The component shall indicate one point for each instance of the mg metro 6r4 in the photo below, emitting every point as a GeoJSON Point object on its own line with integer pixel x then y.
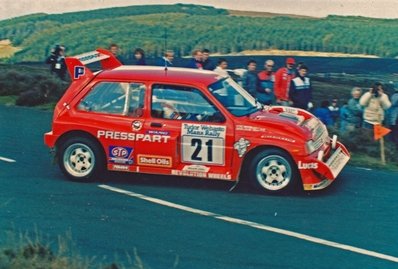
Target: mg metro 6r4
{"type": "Point", "coordinates": [184, 122]}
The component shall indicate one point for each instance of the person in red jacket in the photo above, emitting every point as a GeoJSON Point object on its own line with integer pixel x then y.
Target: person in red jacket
{"type": "Point", "coordinates": [283, 77]}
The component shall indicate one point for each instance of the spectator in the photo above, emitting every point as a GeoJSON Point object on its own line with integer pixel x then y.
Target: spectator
{"type": "Point", "coordinates": [57, 61]}
{"type": "Point", "coordinates": [355, 110]}
{"type": "Point", "coordinates": [206, 61]}
{"type": "Point", "coordinates": [266, 79]}
{"type": "Point", "coordinates": [394, 117]}
{"type": "Point", "coordinates": [283, 77]}
{"type": "Point", "coordinates": [334, 111]}
{"type": "Point", "coordinates": [375, 101]}
{"type": "Point", "coordinates": [300, 92]}
{"type": "Point", "coordinates": [222, 67]}
{"type": "Point", "coordinates": [250, 79]}
{"type": "Point", "coordinates": [197, 60]}
{"type": "Point", "coordinates": [344, 114]}
{"type": "Point", "coordinates": [139, 57]}
{"type": "Point", "coordinates": [323, 113]}
{"type": "Point", "coordinates": [115, 50]}
{"type": "Point", "coordinates": [167, 59]}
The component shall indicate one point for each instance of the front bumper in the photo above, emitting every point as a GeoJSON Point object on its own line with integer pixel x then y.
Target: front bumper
{"type": "Point", "coordinates": [318, 172]}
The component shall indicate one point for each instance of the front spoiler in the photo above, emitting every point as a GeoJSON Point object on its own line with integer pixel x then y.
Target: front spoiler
{"type": "Point", "coordinates": [322, 173]}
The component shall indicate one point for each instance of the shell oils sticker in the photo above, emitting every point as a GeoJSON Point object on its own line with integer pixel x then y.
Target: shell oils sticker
{"type": "Point", "coordinates": [121, 155]}
{"type": "Point", "coordinates": [153, 160]}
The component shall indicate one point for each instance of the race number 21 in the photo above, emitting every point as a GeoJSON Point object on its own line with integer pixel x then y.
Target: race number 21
{"type": "Point", "coordinates": [203, 150]}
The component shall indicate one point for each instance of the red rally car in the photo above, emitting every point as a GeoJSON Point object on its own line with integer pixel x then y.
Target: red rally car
{"type": "Point", "coordinates": [185, 122]}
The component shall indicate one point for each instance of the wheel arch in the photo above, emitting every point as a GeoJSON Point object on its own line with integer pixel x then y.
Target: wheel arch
{"type": "Point", "coordinates": [253, 152]}
{"type": "Point", "coordinates": [77, 133]}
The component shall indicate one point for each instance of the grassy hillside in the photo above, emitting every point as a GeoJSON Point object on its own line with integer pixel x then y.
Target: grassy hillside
{"type": "Point", "coordinates": [189, 26]}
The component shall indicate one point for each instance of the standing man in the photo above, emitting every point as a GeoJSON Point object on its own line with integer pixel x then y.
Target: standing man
{"type": "Point", "coordinates": [300, 92]}
{"type": "Point", "coordinates": [374, 102]}
{"type": "Point", "coordinates": [167, 59]}
{"type": "Point", "coordinates": [250, 79]}
{"type": "Point", "coordinates": [207, 62]}
{"type": "Point", "coordinates": [114, 49]}
{"type": "Point", "coordinates": [283, 77]}
{"type": "Point", "coordinates": [57, 61]}
{"type": "Point", "coordinates": [197, 60]}
{"type": "Point", "coordinates": [266, 79]}
{"type": "Point", "coordinates": [221, 68]}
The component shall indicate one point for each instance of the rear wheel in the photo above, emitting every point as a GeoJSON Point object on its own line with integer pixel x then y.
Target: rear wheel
{"type": "Point", "coordinates": [80, 159]}
{"type": "Point", "coordinates": [273, 171]}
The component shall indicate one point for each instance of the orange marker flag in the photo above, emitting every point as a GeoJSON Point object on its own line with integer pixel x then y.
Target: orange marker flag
{"type": "Point", "coordinates": [380, 131]}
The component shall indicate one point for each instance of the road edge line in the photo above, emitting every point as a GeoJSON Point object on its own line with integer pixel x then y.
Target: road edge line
{"type": "Point", "coordinates": [255, 225]}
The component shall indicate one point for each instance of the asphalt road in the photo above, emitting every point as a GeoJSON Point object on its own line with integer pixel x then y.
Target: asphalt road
{"type": "Point", "coordinates": [357, 215]}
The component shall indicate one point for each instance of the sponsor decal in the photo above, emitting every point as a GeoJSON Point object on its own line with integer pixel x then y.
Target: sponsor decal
{"type": "Point", "coordinates": [157, 132]}
{"type": "Point", "coordinates": [196, 168]}
{"type": "Point", "coordinates": [203, 143]}
{"type": "Point", "coordinates": [153, 160]}
{"type": "Point", "coordinates": [121, 155]}
{"type": "Point", "coordinates": [241, 146]}
{"type": "Point", "coordinates": [201, 174]}
{"type": "Point", "coordinates": [137, 125]}
{"type": "Point", "coordinates": [78, 71]}
{"type": "Point", "coordinates": [203, 130]}
{"type": "Point", "coordinates": [88, 57]}
{"type": "Point", "coordinates": [279, 138]}
{"type": "Point", "coordinates": [120, 167]}
{"type": "Point", "coordinates": [219, 176]}
{"type": "Point", "coordinates": [249, 128]}
{"type": "Point", "coordinates": [303, 166]}
{"type": "Point", "coordinates": [114, 135]}
{"type": "Point", "coordinates": [188, 173]}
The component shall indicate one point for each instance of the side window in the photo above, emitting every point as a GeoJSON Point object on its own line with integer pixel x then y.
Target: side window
{"type": "Point", "coordinates": [182, 103]}
{"type": "Point", "coordinates": [120, 98]}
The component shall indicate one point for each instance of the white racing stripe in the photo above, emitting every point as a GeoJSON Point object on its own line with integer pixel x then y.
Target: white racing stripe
{"type": "Point", "coordinates": [254, 225]}
{"type": "Point", "coordinates": [7, 160]}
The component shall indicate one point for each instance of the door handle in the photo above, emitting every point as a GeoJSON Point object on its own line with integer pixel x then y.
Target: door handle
{"type": "Point", "coordinates": [156, 124]}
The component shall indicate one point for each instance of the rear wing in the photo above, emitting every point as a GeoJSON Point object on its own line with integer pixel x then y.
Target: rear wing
{"type": "Point", "coordinates": [77, 65]}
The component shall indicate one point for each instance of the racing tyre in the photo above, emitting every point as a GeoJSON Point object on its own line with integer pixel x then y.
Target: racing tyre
{"type": "Point", "coordinates": [80, 159]}
{"type": "Point", "coordinates": [273, 171]}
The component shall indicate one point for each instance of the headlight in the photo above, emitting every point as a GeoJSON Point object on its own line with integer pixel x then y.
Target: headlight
{"type": "Point", "coordinates": [310, 146]}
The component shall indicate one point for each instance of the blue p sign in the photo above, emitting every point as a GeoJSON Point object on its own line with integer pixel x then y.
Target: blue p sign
{"type": "Point", "coordinates": [79, 71]}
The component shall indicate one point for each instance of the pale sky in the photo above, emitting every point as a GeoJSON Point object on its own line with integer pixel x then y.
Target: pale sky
{"type": "Point", "coordinates": [316, 8]}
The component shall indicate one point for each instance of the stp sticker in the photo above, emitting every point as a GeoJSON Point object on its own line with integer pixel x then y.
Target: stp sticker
{"type": "Point", "coordinates": [121, 155]}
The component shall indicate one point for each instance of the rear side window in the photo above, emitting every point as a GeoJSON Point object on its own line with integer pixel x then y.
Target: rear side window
{"type": "Point", "coordinates": [118, 98]}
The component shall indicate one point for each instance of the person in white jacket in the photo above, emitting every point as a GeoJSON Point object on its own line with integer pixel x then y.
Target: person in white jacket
{"type": "Point", "coordinates": [375, 102]}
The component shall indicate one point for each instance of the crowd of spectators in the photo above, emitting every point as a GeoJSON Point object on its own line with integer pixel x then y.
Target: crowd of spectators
{"type": "Point", "coordinates": [288, 86]}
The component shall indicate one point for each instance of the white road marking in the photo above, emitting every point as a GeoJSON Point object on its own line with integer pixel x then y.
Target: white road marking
{"type": "Point", "coordinates": [254, 225]}
{"type": "Point", "coordinates": [7, 160]}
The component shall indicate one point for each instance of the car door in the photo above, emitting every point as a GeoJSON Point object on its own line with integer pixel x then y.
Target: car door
{"type": "Point", "coordinates": [194, 134]}
{"type": "Point", "coordinates": [111, 111]}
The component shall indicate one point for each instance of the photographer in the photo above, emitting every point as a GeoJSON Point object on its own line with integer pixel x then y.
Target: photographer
{"type": "Point", "coordinates": [375, 101]}
{"type": "Point", "coordinates": [57, 61]}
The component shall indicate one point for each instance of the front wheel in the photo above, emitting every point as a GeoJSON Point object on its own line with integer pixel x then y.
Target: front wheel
{"type": "Point", "coordinates": [80, 159]}
{"type": "Point", "coordinates": [273, 171]}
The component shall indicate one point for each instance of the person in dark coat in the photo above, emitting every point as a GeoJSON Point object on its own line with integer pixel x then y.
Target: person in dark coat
{"type": "Point", "coordinates": [56, 60]}
{"type": "Point", "coordinates": [206, 61]}
{"type": "Point", "coordinates": [196, 60]}
{"type": "Point", "coordinates": [250, 80]}
{"type": "Point", "coordinates": [300, 92]}
{"type": "Point", "coordinates": [139, 57]}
